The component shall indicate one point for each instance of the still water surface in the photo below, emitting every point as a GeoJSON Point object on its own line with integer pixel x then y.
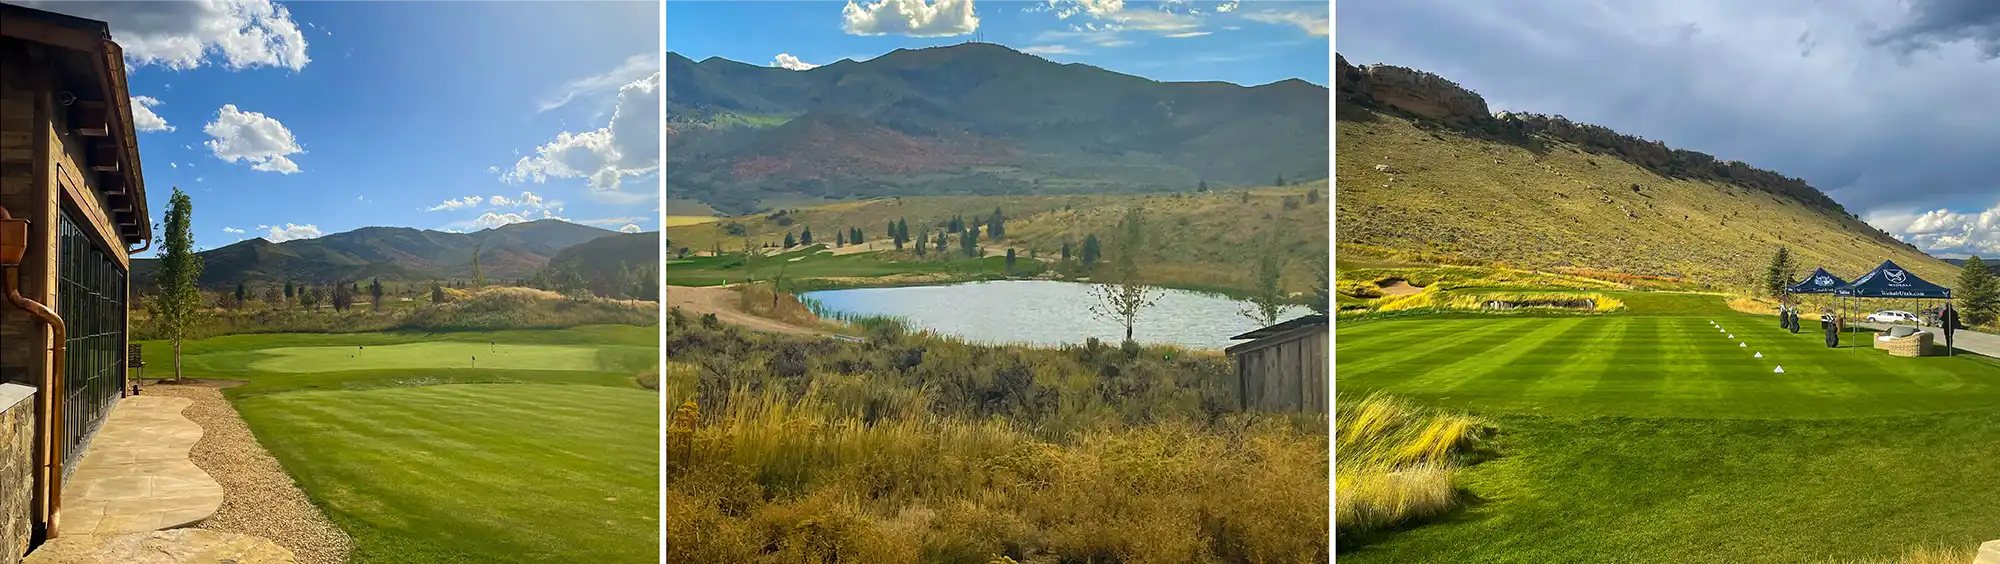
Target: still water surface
{"type": "Point", "coordinates": [1046, 312]}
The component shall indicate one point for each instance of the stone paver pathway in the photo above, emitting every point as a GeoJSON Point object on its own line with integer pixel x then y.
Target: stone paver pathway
{"type": "Point", "coordinates": [179, 546]}
{"type": "Point", "coordinates": [136, 475]}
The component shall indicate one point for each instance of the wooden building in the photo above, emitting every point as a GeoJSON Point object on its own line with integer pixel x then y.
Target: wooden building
{"type": "Point", "coordinates": [1284, 367]}
{"type": "Point", "coordinates": [72, 209]}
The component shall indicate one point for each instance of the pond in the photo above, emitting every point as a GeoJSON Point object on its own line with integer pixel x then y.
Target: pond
{"type": "Point", "coordinates": [1046, 312]}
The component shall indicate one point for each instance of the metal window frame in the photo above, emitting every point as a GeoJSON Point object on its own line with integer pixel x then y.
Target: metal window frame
{"type": "Point", "coordinates": [91, 293]}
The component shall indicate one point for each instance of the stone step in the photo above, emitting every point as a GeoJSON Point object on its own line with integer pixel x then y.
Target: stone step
{"type": "Point", "coordinates": [1989, 553]}
{"type": "Point", "coordinates": [176, 546]}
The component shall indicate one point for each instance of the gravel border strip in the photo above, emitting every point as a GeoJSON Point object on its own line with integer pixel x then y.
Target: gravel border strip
{"type": "Point", "coordinates": [259, 498]}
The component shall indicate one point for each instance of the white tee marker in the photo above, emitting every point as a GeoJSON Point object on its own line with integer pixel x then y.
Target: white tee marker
{"type": "Point", "coordinates": [1760, 355]}
{"type": "Point", "coordinates": [1780, 370]}
{"type": "Point", "coordinates": [1743, 345]}
{"type": "Point", "coordinates": [1732, 335]}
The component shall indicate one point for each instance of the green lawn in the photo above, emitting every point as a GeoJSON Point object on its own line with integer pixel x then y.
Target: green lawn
{"type": "Point", "coordinates": [549, 454]}
{"type": "Point", "coordinates": [1640, 437]}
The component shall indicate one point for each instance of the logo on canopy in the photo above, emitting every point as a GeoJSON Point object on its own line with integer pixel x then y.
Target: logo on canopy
{"type": "Point", "coordinates": [1897, 276]}
{"type": "Point", "coordinates": [1823, 280]}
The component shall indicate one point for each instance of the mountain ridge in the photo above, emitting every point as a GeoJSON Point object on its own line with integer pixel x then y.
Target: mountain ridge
{"type": "Point", "coordinates": [388, 252]}
{"type": "Point", "coordinates": [975, 119]}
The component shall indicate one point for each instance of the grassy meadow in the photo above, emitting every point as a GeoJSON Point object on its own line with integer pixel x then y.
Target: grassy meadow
{"type": "Point", "coordinates": [1655, 436]}
{"type": "Point", "coordinates": [909, 448]}
{"type": "Point", "coordinates": [1194, 240]}
{"type": "Point", "coordinates": [546, 452]}
{"type": "Point", "coordinates": [1546, 205]}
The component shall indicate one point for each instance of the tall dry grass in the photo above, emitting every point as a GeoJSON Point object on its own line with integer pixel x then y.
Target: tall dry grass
{"type": "Point", "coordinates": [915, 449]}
{"type": "Point", "coordinates": [1397, 462]}
{"type": "Point", "coordinates": [1929, 554]}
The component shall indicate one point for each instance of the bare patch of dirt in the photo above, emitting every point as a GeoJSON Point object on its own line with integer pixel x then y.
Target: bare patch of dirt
{"type": "Point", "coordinates": [721, 301]}
{"type": "Point", "coordinates": [1397, 287]}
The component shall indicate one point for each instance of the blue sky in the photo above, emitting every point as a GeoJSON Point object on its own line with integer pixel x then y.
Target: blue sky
{"type": "Point", "coordinates": [1888, 107]}
{"type": "Point", "coordinates": [1247, 43]}
{"type": "Point", "coordinates": [289, 120]}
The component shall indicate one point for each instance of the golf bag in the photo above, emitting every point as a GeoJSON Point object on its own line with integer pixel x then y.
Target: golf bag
{"type": "Point", "coordinates": [1795, 322]}
{"type": "Point", "coordinates": [1832, 335]}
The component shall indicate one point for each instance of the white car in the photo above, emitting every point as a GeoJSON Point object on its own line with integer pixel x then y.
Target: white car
{"type": "Point", "coordinates": [1893, 316]}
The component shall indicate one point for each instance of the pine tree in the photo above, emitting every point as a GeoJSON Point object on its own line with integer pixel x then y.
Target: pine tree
{"type": "Point", "coordinates": [789, 241]}
{"type": "Point", "coordinates": [375, 293]}
{"type": "Point", "coordinates": [242, 294]}
{"type": "Point", "coordinates": [1281, 181]}
{"type": "Point", "coordinates": [1779, 274]}
{"type": "Point", "coordinates": [996, 226]}
{"type": "Point", "coordinates": [1202, 187]}
{"type": "Point", "coordinates": [806, 237]}
{"type": "Point", "coordinates": [941, 246]}
{"type": "Point", "coordinates": [1312, 195]}
{"type": "Point", "coordinates": [1010, 260]}
{"type": "Point", "coordinates": [1091, 250]}
{"type": "Point", "coordinates": [891, 234]}
{"type": "Point", "coordinates": [1065, 251]}
{"type": "Point", "coordinates": [437, 292]}
{"type": "Point", "coordinates": [840, 238]}
{"type": "Point", "coordinates": [969, 242]}
{"type": "Point", "coordinates": [854, 236]}
{"type": "Point", "coordinates": [903, 230]}
{"type": "Point", "coordinates": [1978, 293]}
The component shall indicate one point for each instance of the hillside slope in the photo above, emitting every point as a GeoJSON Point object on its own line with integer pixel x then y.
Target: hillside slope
{"type": "Point", "coordinates": [1195, 239]}
{"type": "Point", "coordinates": [973, 119]}
{"type": "Point", "coordinates": [390, 253]}
{"type": "Point", "coordinates": [609, 264]}
{"type": "Point", "coordinates": [1424, 170]}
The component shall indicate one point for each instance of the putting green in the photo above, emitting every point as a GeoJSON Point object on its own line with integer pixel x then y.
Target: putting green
{"type": "Point", "coordinates": [1625, 365]}
{"type": "Point", "coordinates": [428, 355]}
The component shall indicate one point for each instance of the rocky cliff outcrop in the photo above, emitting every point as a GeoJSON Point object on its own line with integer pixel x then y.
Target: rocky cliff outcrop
{"type": "Point", "coordinates": [1433, 97]}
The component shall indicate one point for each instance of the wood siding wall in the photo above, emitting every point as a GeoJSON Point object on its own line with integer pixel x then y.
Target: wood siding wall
{"type": "Point", "coordinates": [23, 192]}
{"type": "Point", "coordinates": [1285, 372]}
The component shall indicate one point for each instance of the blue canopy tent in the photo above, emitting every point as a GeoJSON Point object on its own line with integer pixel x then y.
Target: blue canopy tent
{"type": "Point", "coordinates": [1891, 281]}
{"type": "Point", "coordinates": [1820, 282]}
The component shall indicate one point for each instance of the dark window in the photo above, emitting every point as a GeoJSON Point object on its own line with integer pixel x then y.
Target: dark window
{"type": "Point", "coordinates": [90, 297]}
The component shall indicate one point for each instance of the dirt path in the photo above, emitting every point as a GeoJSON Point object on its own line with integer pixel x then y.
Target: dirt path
{"type": "Point", "coordinates": [721, 301]}
{"type": "Point", "coordinates": [258, 498]}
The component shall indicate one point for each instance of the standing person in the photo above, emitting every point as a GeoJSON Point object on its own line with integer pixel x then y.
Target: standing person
{"type": "Point", "coordinates": [1949, 319]}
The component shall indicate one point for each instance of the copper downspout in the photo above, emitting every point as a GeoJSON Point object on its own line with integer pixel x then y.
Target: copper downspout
{"type": "Point", "coordinates": [48, 447]}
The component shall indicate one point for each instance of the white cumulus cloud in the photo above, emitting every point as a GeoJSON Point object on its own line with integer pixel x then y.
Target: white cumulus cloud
{"type": "Point", "coordinates": [1945, 232]}
{"type": "Point", "coordinates": [292, 232]}
{"type": "Point", "coordinates": [233, 230]}
{"type": "Point", "coordinates": [236, 135]}
{"type": "Point", "coordinates": [915, 18]}
{"type": "Point", "coordinates": [465, 202]}
{"type": "Point", "coordinates": [788, 62]}
{"type": "Point", "coordinates": [629, 146]}
{"type": "Point", "coordinates": [630, 228]}
{"type": "Point", "coordinates": [492, 220]}
{"type": "Point", "coordinates": [238, 34]}
{"type": "Point", "coordinates": [143, 118]}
